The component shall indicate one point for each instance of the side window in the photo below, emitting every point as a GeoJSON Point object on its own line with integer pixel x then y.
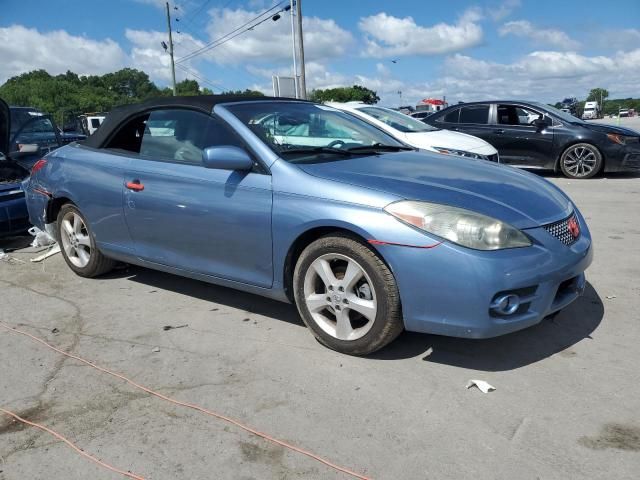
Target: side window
{"type": "Point", "coordinates": [129, 137]}
{"type": "Point", "coordinates": [478, 114]}
{"type": "Point", "coordinates": [517, 115]}
{"type": "Point", "coordinates": [451, 117]}
{"type": "Point", "coordinates": [179, 135]}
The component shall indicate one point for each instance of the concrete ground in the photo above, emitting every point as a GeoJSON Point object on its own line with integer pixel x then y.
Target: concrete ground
{"type": "Point", "coordinates": [566, 405]}
{"type": "Point", "coordinates": [628, 122]}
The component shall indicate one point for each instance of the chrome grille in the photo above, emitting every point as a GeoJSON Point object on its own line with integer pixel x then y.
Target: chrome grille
{"type": "Point", "coordinates": [560, 230]}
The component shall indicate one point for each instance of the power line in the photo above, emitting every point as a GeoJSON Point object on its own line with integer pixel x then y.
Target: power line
{"type": "Point", "coordinates": [232, 34]}
{"type": "Point", "coordinates": [201, 78]}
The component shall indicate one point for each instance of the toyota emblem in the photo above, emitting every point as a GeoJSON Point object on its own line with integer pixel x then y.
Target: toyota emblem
{"type": "Point", "coordinates": [574, 227]}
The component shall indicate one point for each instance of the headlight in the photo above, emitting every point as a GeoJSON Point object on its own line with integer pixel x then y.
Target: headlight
{"type": "Point", "coordinates": [621, 139]}
{"type": "Point", "coordinates": [458, 225]}
{"type": "Point", "coordinates": [460, 153]}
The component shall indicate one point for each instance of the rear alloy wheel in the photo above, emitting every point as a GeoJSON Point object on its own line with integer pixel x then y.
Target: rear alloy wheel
{"type": "Point", "coordinates": [78, 245]}
{"type": "Point", "coordinates": [347, 296]}
{"type": "Point", "coordinates": [581, 160]}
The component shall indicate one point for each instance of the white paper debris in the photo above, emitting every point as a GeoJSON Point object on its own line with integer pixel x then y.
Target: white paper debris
{"type": "Point", "coordinates": [42, 239]}
{"type": "Point", "coordinates": [47, 254]}
{"type": "Point", "coordinates": [483, 386]}
{"type": "Point", "coordinates": [611, 297]}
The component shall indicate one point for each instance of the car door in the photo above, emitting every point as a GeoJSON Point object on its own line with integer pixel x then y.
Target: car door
{"type": "Point", "coordinates": [518, 140]}
{"type": "Point", "coordinates": [471, 119]}
{"type": "Point", "coordinates": [183, 215]}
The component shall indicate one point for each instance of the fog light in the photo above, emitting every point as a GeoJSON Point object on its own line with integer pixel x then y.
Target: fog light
{"type": "Point", "coordinates": [506, 304]}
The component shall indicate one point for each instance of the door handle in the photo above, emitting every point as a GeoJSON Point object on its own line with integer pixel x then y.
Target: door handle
{"type": "Point", "coordinates": [499, 131]}
{"type": "Point", "coordinates": [135, 185]}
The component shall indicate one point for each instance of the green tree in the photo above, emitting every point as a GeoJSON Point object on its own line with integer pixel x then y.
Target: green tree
{"type": "Point", "coordinates": [248, 93]}
{"type": "Point", "coordinates": [345, 94]}
{"type": "Point", "coordinates": [598, 95]}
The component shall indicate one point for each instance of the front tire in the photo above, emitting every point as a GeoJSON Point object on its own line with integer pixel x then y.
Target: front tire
{"type": "Point", "coordinates": [78, 245]}
{"type": "Point", "coordinates": [581, 160]}
{"type": "Point", "coordinates": [347, 296]}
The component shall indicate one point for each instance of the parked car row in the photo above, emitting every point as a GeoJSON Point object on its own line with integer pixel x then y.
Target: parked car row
{"type": "Point", "coordinates": [310, 204]}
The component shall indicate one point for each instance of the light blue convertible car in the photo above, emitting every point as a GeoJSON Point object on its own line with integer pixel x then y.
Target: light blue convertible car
{"type": "Point", "coordinates": [301, 202]}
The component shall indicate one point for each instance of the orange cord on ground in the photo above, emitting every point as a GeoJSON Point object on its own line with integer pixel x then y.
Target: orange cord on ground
{"type": "Point", "coordinates": [188, 405]}
{"type": "Point", "coordinates": [77, 449]}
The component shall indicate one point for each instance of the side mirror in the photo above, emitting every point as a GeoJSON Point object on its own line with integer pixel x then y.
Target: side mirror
{"type": "Point", "coordinates": [541, 123]}
{"type": "Point", "coordinates": [226, 158]}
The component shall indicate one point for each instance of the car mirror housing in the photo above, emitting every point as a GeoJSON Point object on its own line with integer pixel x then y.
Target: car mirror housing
{"type": "Point", "coordinates": [226, 158]}
{"type": "Point", "coordinates": [541, 123]}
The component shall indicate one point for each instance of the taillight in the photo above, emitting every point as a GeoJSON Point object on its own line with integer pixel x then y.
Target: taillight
{"type": "Point", "coordinates": [38, 165]}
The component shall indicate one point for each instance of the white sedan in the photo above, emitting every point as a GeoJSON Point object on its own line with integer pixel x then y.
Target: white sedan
{"type": "Point", "coordinates": [418, 134]}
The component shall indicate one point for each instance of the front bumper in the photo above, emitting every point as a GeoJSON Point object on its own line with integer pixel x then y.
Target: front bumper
{"type": "Point", "coordinates": [448, 290]}
{"type": "Point", "coordinates": [622, 158]}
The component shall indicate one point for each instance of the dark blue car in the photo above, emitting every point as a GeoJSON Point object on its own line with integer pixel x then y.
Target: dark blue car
{"type": "Point", "coordinates": [26, 135]}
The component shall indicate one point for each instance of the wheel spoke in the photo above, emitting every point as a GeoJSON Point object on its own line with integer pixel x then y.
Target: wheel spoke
{"type": "Point", "coordinates": [69, 250]}
{"type": "Point", "coordinates": [323, 269]}
{"type": "Point", "coordinates": [68, 228]}
{"type": "Point", "coordinates": [351, 276]}
{"type": "Point", "coordinates": [84, 240]}
{"type": "Point", "coordinates": [343, 325]}
{"type": "Point", "coordinates": [83, 255]}
{"type": "Point", "coordinates": [77, 224]}
{"type": "Point", "coordinates": [316, 302]}
{"type": "Point", "coordinates": [366, 308]}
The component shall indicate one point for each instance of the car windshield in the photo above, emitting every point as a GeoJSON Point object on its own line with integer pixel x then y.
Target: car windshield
{"type": "Point", "coordinates": [397, 120]}
{"type": "Point", "coordinates": [298, 131]}
{"type": "Point", "coordinates": [567, 117]}
{"type": "Point", "coordinates": [20, 116]}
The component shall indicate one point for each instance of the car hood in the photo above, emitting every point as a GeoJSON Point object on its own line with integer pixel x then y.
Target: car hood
{"type": "Point", "coordinates": [603, 128]}
{"type": "Point", "coordinates": [5, 127]}
{"type": "Point", "coordinates": [520, 198]}
{"type": "Point", "coordinates": [449, 139]}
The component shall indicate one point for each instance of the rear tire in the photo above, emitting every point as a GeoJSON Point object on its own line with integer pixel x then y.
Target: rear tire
{"type": "Point", "coordinates": [347, 296]}
{"type": "Point", "coordinates": [78, 245]}
{"type": "Point", "coordinates": [581, 160]}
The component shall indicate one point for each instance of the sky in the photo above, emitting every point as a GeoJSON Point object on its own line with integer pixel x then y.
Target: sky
{"type": "Point", "coordinates": [465, 50]}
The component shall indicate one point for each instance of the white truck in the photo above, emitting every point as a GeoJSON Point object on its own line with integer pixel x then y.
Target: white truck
{"type": "Point", "coordinates": [591, 110]}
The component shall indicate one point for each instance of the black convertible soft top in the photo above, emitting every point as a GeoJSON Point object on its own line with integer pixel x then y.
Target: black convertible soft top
{"type": "Point", "coordinates": [200, 102]}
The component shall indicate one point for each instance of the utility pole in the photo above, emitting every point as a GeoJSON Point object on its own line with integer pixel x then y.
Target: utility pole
{"type": "Point", "coordinates": [295, 53]}
{"type": "Point", "coordinates": [303, 81]}
{"type": "Point", "coordinates": [173, 65]}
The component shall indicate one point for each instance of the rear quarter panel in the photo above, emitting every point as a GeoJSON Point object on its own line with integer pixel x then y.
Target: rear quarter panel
{"type": "Point", "coordinates": [94, 181]}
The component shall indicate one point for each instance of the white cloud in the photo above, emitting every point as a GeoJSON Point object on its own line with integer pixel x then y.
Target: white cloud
{"type": "Point", "coordinates": [23, 49]}
{"type": "Point", "coordinates": [388, 36]}
{"type": "Point", "coordinates": [543, 75]}
{"type": "Point", "coordinates": [622, 39]}
{"type": "Point", "coordinates": [503, 10]}
{"type": "Point", "coordinates": [541, 36]}
{"type": "Point", "coordinates": [271, 41]}
{"type": "Point", "coordinates": [148, 55]}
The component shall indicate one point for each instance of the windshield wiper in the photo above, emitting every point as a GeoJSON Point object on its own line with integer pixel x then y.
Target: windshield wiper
{"type": "Point", "coordinates": [379, 147]}
{"type": "Point", "coordinates": [329, 150]}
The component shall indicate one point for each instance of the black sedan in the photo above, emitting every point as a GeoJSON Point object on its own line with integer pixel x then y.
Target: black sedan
{"type": "Point", "coordinates": [535, 135]}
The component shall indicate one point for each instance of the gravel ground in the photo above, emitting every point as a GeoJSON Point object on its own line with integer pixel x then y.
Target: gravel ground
{"type": "Point", "coordinates": [566, 404]}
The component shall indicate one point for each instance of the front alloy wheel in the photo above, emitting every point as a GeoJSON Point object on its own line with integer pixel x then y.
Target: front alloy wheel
{"type": "Point", "coordinates": [340, 296]}
{"type": "Point", "coordinates": [347, 295]}
{"type": "Point", "coordinates": [581, 161]}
